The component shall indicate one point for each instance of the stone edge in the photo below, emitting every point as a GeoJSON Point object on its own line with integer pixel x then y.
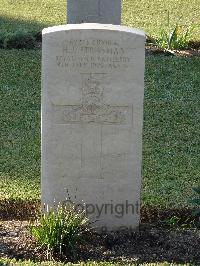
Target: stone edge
{"type": "Point", "coordinates": [92, 26]}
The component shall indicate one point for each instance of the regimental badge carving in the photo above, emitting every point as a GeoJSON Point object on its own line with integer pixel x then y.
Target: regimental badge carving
{"type": "Point", "coordinates": [93, 109]}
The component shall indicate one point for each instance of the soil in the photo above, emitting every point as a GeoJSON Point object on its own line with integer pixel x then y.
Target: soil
{"type": "Point", "coordinates": [193, 49]}
{"type": "Point", "coordinates": [150, 244]}
{"type": "Point", "coordinates": [157, 240]}
{"type": "Point", "coordinates": [190, 52]}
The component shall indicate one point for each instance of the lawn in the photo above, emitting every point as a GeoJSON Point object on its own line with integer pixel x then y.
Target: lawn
{"type": "Point", "coordinates": [20, 116]}
{"type": "Point", "coordinates": [170, 137]}
{"type": "Point", "coordinates": [32, 16]}
{"type": "Point", "coordinates": [171, 143]}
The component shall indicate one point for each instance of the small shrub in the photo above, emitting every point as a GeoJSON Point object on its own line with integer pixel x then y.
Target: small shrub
{"type": "Point", "coordinates": [174, 38]}
{"type": "Point", "coordinates": [60, 230]}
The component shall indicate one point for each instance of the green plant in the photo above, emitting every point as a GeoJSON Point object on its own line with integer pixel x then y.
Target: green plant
{"type": "Point", "coordinates": [177, 222]}
{"type": "Point", "coordinates": [60, 230]}
{"type": "Point", "coordinates": [174, 38]}
{"type": "Point", "coordinates": [172, 221]}
{"type": "Point", "coordinates": [196, 201]}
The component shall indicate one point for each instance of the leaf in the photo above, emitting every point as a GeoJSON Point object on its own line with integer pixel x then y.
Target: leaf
{"type": "Point", "coordinates": [59, 229]}
{"type": "Point", "coordinates": [173, 38]}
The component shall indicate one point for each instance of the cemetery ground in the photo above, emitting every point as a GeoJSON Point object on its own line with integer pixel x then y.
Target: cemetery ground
{"type": "Point", "coordinates": [171, 142]}
{"type": "Point", "coordinates": [170, 162]}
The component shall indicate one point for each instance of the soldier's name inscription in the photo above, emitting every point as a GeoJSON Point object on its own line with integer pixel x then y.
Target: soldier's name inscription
{"type": "Point", "coordinates": [92, 53]}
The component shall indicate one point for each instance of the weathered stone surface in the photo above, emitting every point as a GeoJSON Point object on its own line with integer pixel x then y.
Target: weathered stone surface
{"type": "Point", "coordinates": [92, 116]}
{"type": "Point", "coordinates": [94, 11]}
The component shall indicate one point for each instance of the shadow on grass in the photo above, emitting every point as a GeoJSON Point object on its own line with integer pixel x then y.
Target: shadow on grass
{"type": "Point", "coordinates": [20, 34]}
{"type": "Point", "coordinates": [11, 25]}
{"type": "Point", "coordinates": [26, 34]}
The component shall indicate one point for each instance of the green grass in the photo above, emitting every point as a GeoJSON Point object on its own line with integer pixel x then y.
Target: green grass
{"type": "Point", "coordinates": [20, 116]}
{"type": "Point", "coordinates": [151, 16]}
{"type": "Point", "coordinates": [171, 143]}
{"type": "Point", "coordinates": [171, 128]}
{"type": "Point", "coordinates": [32, 16]}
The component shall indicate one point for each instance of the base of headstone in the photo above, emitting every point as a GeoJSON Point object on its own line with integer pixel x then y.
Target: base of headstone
{"type": "Point", "coordinates": [92, 116]}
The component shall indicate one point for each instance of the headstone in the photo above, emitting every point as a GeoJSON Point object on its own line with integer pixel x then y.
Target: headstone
{"type": "Point", "coordinates": [94, 11]}
{"type": "Point", "coordinates": [92, 116]}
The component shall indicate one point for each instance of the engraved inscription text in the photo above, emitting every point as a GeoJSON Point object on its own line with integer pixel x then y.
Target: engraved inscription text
{"type": "Point", "coordinates": [93, 53]}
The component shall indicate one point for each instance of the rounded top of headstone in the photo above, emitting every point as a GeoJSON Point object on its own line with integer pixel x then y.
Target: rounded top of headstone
{"type": "Point", "coordinates": [93, 26]}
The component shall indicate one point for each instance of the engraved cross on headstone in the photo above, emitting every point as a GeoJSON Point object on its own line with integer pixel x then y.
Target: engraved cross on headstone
{"type": "Point", "coordinates": [94, 11]}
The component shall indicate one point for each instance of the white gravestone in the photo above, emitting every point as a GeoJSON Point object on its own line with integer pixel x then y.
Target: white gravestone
{"type": "Point", "coordinates": [92, 116]}
{"type": "Point", "coordinates": [94, 11]}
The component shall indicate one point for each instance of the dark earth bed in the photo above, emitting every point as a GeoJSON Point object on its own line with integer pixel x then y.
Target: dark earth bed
{"type": "Point", "coordinates": [150, 244]}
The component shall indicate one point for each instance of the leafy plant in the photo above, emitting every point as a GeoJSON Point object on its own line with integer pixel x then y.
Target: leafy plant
{"type": "Point", "coordinates": [60, 230]}
{"type": "Point", "coordinates": [172, 221]}
{"type": "Point", "coordinates": [174, 38]}
{"type": "Point", "coordinates": [178, 222]}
